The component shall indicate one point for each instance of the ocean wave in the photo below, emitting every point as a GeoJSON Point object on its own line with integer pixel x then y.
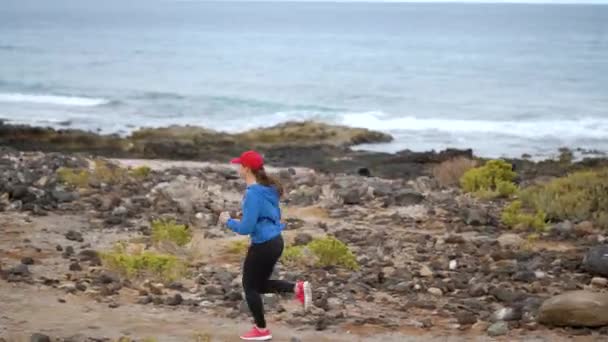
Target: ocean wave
{"type": "Point", "coordinates": [53, 100]}
{"type": "Point", "coordinates": [159, 95]}
{"type": "Point", "coordinates": [593, 128]}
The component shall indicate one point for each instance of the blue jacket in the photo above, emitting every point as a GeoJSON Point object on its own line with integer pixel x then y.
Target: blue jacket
{"type": "Point", "coordinates": [261, 214]}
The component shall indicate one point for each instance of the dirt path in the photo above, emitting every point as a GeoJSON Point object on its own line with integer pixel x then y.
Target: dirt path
{"type": "Point", "coordinates": [27, 309]}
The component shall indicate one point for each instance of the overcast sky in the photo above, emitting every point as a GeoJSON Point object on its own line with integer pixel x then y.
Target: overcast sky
{"type": "Point", "coordinates": [498, 1]}
{"type": "Point", "coordinates": [485, 1]}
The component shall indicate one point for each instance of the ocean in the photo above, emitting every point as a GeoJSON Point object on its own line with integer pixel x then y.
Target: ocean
{"type": "Point", "coordinates": [503, 79]}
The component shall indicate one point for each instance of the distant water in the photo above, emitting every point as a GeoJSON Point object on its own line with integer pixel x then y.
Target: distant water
{"type": "Point", "coordinates": [501, 79]}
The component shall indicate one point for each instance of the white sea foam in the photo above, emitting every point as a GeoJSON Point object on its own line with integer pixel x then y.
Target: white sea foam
{"type": "Point", "coordinates": [52, 99]}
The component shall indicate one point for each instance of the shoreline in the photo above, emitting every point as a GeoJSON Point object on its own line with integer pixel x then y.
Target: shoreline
{"type": "Point", "coordinates": [313, 145]}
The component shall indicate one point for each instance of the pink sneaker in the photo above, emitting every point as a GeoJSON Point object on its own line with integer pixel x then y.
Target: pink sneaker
{"type": "Point", "coordinates": [256, 334]}
{"type": "Point", "coordinates": [304, 294]}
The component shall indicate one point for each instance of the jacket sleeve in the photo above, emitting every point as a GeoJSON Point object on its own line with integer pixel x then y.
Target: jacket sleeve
{"type": "Point", "coordinates": [251, 213]}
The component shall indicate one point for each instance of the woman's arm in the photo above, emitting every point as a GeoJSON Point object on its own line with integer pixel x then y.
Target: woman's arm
{"type": "Point", "coordinates": [251, 213]}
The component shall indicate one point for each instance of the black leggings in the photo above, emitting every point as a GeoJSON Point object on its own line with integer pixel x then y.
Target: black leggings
{"type": "Point", "coordinates": [257, 270]}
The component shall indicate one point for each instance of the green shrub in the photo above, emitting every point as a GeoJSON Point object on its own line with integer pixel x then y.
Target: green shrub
{"type": "Point", "coordinates": [292, 255]}
{"type": "Point", "coordinates": [140, 172]}
{"type": "Point", "coordinates": [330, 251]}
{"type": "Point", "coordinates": [579, 196]}
{"type": "Point", "coordinates": [513, 216]}
{"type": "Point", "coordinates": [74, 178]}
{"type": "Point", "coordinates": [103, 172]}
{"type": "Point", "coordinates": [106, 172]}
{"type": "Point", "coordinates": [169, 230]}
{"type": "Point", "coordinates": [147, 264]}
{"type": "Point", "coordinates": [494, 179]}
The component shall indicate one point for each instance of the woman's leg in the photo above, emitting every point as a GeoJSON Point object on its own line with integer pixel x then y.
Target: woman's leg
{"type": "Point", "coordinates": [252, 281]}
{"type": "Point", "coordinates": [275, 250]}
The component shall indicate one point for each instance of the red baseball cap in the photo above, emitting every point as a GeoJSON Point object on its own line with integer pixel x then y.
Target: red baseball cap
{"type": "Point", "coordinates": [250, 159]}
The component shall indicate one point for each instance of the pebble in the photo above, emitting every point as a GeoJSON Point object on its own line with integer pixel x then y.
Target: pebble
{"type": "Point", "coordinates": [599, 282]}
{"type": "Point", "coordinates": [39, 338]}
{"type": "Point", "coordinates": [425, 271]}
{"type": "Point", "coordinates": [75, 267]}
{"type": "Point", "coordinates": [27, 261]}
{"type": "Point", "coordinates": [73, 235]}
{"type": "Point", "coordinates": [466, 318]}
{"type": "Point", "coordinates": [435, 291]}
{"type": "Point", "coordinates": [174, 300]}
{"type": "Point", "coordinates": [498, 329]}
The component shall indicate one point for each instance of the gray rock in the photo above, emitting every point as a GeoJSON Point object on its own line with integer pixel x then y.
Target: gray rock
{"type": "Point", "coordinates": [302, 239]}
{"type": "Point", "coordinates": [351, 196]}
{"type": "Point", "coordinates": [599, 282]}
{"type": "Point", "coordinates": [435, 291]}
{"type": "Point", "coordinates": [478, 290]}
{"type": "Point", "coordinates": [75, 267]}
{"type": "Point", "coordinates": [466, 318]}
{"type": "Point", "coordinates": [576, 308]}
{"type": "Point", "coordinates": [506, 295]}
{"type": "Point", "coordinates": [20, 270]}
{"type": "Point", "coordinates": [564, 228]}
{"type": "Point", "coordinates": [498, 329]}
{"type": "Point", "coordinates": [73, 235]}
{"type": "Point", "coordinates": [305, 195]}
{"type": "Point", "coordinates": [106, 278]}
{"type": "Point", "coordinates": [334, 303]}
{"type": "Point", "coordinates": [506, 314]}
{"type": "Point", "coordinates": [27, 261]}
{"type": "Point", "coordinates": [174, 300]}
{"type": "Point", "coordinates": [475, 217]}
{"type": "Point", "coordinates": [120, 211]}
{"type": "Point", "coordinates": [90, 256]}
{"type": "Point", "coordinates": [510, 240]}
{"type": "Point", "coordinates": [213, 290]}
{"type": "Point", "coordinates": [525, 276]}
{"type": "Point", "coordinates": [406, 197]}
{"type": "Point", "coordinates": [40, 338]}
{"type": "Point", "coordinates": [596, 261]}
{"type": "Point", "coordinates": [62, 196]}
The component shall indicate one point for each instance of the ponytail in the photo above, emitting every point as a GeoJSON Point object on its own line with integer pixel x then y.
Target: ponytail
{"type": "Point", "coordinates": [264, 179]}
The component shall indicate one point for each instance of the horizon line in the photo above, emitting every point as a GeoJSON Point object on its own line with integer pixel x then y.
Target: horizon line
{"type": "Point", "coordinates": [456, 2]}
{"type": "Point", "coordinates": [496, 2]}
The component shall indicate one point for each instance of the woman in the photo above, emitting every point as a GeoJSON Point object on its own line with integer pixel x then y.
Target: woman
{"type": "Point", "coordinates": [262, 222]}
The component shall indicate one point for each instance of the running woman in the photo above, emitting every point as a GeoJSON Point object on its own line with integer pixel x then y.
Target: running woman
{"type": "Point", "coordinates": [262, 222]}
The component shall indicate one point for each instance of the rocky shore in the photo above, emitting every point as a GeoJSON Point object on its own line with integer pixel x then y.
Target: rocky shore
{"type": "Point", "coordinates": [431, 261]}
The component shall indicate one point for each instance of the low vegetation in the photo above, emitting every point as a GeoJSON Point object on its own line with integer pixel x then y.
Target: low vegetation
{"type": "Point", "coordinates": [327, 251]}
{"type": "Point", "coordinates": [492, 180]}
{"type": "Point", "coordinates": [74, 178]}
{"type": "Point", "coordinates": [140, 172]}
{"type": "Point", "coordinates": [513, 216]}
{"type": "Point", "coordinates": [292, 255]}
{"type": "Point", "coordinates": [580, 196]}
{"type": "Point", "coordinates": [450, 171]}
{"type": "Point", "coordinates": [169, 230]}
{"type": "Point", "coordinates": [101, 172]}
{"type": "Point", "coordinates": [148, 264]}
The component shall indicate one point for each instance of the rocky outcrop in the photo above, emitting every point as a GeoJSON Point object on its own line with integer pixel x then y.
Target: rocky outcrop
{"type": "Point", "coordinates": [596, 260]}
{"type": "Point", "coordinates": [306, 144]}
{"type": "Point", "coordinates": [577, 308]}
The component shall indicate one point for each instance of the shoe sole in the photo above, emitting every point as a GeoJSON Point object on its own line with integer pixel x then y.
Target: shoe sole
{"type": "Point", "coordinates": [264, 338]}
{"type": "Point", "coordinates": [307, 296]}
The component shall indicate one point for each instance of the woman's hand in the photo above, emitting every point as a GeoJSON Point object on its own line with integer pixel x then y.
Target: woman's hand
{"type": "Point", "coordinates": [224, 217]}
